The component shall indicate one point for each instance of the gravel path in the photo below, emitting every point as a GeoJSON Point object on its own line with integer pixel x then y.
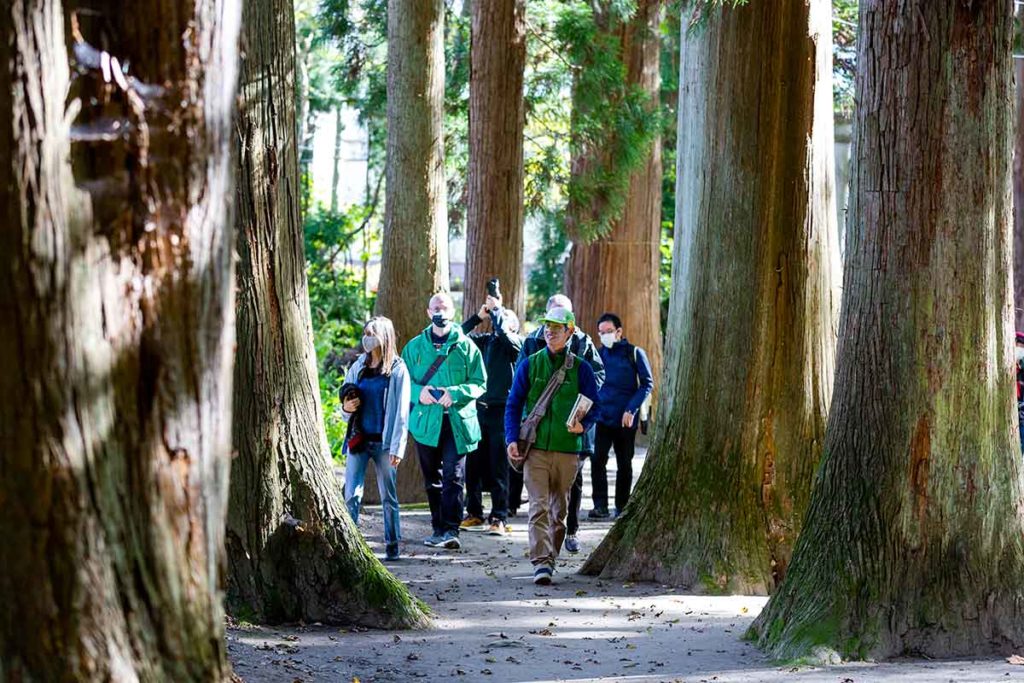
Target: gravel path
{"type": "Point", "coordinates": [492, 624]}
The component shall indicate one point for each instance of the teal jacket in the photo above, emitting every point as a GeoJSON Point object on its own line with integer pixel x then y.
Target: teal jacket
{"type": "Point", "coordinates": [464, 376]}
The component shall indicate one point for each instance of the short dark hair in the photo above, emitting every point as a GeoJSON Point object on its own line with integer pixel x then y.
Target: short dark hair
{"type": "Point", "coordinates": [610, 318]}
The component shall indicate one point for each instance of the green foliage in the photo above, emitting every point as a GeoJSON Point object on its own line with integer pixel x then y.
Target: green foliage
{"type": "Point", "coordinates": [665, 273]}
{"type": "Point", "coordinates": [670, 35]}
{"type": "Point", "coordinates": [548, 273]}
{"type": "Point", "coordinates": [844, 54]}
{"type": "Point", "coordinates": [613, 122]}
{"type": "Point", "coordinates": [547, 83]}
{"type": "Point", "coordinates": [456, 114]}
{"type": "Point", "coordinates": [337, 302]}
{"type": "Point", "coordinates": [360, 75]}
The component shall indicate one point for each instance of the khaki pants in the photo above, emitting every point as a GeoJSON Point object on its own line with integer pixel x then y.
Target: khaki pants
{"type": "Point", "coordinates": [548, 476]}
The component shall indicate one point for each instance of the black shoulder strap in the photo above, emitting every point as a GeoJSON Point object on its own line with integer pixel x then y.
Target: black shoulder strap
{"type": "Point", "coordinates": [432, 370]}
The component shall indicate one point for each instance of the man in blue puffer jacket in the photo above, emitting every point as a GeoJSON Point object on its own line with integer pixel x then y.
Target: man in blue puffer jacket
{"type": "Point", "coordinates": [627, 384]}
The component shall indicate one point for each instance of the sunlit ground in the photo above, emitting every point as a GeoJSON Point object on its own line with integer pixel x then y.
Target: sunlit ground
{"type": "Point", "coordinates": [493, 624]}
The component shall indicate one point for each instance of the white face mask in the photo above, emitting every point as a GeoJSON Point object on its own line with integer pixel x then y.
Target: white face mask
{"type": "Point", "coordinates": [1019, 351]}
{"type": "Point", "coordinates": [608, 339]}
{"type": "Point", "coordinates": [370, 343]}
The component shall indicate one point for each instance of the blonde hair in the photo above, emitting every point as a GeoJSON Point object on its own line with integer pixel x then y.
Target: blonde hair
{"type": "Point", "coordinates": [383, 329]}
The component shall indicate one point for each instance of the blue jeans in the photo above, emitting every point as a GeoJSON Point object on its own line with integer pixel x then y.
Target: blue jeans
{"type": "Point", "coordinates": [387, 477]}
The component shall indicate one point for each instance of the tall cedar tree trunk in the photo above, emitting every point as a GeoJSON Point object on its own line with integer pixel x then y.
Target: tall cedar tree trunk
{"type": "Point", "coordinates": [751, 337]}
{"type": "Point", "coordinates": [497, 113]}
{"type": "Point", "coordinates": [913, 540]}
{"type": "Point", "coordinates": [414, 260]}
{"type": "Point", "coordinates": [619, 273]}
{"type": "Point", "coordinates": [117, 314]}
{"type": "Point", "coordinates": [1018, 194]}
{"type": "Point", "coordinates": [339, 127]}
{"type": "Point", "coordinates": [293, 552]}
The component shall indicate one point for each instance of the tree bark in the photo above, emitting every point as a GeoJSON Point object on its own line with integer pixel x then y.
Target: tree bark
{"type": "Point", "coordinates": [293, 552]}
{"type": "Point", "coordinates": [750, 344]}
{"type": "Point", "coordinates": [414, 258]}
{"type": "Point", "coordinates": [497, 114]}
{"type": "Point", "coordinates": [336, 166]}
{"type": "Point", "coordinates": [1018, 194]}
{"type": "Point", "coordinates": [117, 314]}
{"type": "Point", "coordinates": [913, 540]}
{"type": "Point", "coordinates": [619, 273]}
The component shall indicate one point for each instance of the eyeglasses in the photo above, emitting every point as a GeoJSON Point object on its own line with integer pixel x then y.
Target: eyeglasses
{"type": "Point", "coordinates": [554, 328]}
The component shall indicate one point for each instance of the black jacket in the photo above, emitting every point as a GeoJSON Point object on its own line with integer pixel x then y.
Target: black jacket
{"type": "Point", "coordinates": [500, 350]}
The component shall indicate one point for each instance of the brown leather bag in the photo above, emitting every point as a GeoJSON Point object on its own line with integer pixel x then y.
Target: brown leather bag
{"type": "Point", "coordinates": [528, 429]}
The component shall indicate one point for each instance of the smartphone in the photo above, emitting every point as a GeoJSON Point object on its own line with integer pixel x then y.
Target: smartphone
{"type": "Point", "coordinates": [436, 393]}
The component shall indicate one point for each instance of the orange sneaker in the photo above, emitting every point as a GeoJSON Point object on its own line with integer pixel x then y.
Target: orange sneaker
{"type": "Point", "coordinates": [472, 524]}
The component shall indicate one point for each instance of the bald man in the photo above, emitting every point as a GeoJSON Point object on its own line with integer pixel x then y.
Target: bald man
{"type": "Point", "coordinates": [448, 376]}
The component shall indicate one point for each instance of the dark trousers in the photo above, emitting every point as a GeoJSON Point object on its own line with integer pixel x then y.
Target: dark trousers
{"type": "Point", "coordinates": [576, 496]}
{"type": "Point", "coordinates": [623, 440]}
{"type": "Point", "coordinates": [515, 490]}
{"type": "Point", "coordinates": [443, 473]}
{"type": "Point", "coordinates": [487, 466]}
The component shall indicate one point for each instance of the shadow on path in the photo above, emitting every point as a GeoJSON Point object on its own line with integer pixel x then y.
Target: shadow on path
{"type": "Point", "coordinates": [493, 624]}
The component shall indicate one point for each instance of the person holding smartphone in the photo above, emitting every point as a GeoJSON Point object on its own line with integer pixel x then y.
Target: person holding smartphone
{"type": "Point", "coordinates": [487, 467]}
{"type": "Point", "coordinates": [448, 376]}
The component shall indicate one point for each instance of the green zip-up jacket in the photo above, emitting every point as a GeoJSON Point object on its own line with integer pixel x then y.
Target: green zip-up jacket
{"type": "Point", "coordinates": [462, 374]}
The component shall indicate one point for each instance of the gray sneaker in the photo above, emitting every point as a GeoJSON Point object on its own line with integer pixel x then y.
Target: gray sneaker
{"type": "Point", "coordinates": [451, 541]}
{"type": "Point", "coordinates": [572, 544]}
{"type": "Point", "coordinates": [434, 541]}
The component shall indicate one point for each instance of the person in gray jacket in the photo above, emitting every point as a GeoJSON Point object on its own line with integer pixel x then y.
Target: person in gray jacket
{"type": "Point", "coordinates": [375, 405]}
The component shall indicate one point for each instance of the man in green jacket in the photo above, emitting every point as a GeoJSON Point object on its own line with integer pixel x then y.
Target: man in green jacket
{"type": "Point", "coordinates": [448, 376]}
{"type": "Point", "coordinates": [550, 466]}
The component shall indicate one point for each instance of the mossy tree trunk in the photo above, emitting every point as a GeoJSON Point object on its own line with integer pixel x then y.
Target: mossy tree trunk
{"type": "Point", "coordinates": [293, 552]}
{"type": "Point", "coordinates": [117, 322]}
{"type": "Point", "coordinates": [620, 272]}
{"type": "Point", "coordinates": [750, 343]}
{"type": "Point", "coordinates": [497, 114]}
{"type": "Point", "coordinates": [913, 541]}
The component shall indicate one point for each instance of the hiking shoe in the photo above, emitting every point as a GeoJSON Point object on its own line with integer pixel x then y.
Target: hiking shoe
{"type": "Point", "coordinates": [497, 528]}
{"type": "Point", "coordinates": [434, 541]}
{"type": "Point", "coordinates": [572, 544]}
{"type": "Point", "coordinates": [473, 524]}
{"type": "Point", "coordinates": [542, 575]}
{"type": "Point", "coordinates": [451, 541]}
{"type": "Point", "coordinates": [598, 513]}
{"type": "Point", "coordinates": [391, 553]}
